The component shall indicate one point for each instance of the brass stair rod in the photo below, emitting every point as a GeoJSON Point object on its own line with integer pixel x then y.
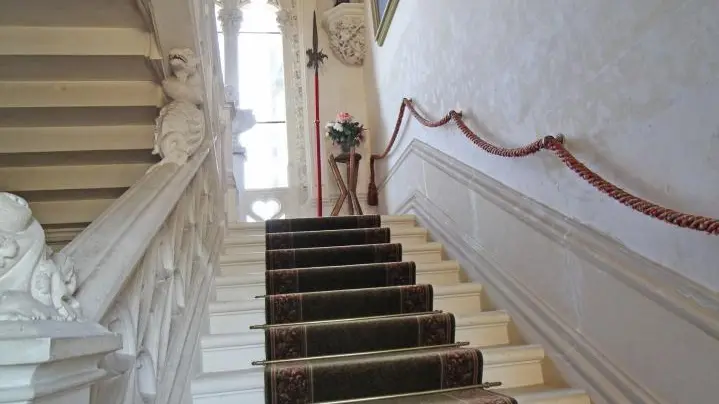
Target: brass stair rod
{"type": "Point", "coordinates": [368, 353]}
{"type": "Point", "coordinates": [265, 326]}
{"type": "Point", "coordinates": [482, 386]}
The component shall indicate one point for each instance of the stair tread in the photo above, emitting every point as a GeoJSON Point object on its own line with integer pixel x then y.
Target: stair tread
{"type": "Point", "coordinates": [385, 219]}
{"type": "Point", "coordinates": [253, 378]}
{"type": "Point", "coordinates": [254, 337]}
{"type": "Point", "coordinates": [538, 394]}
{"type": "Point", "coordinates": [259, 256]}
{"type": "Point", "coordinates": [440, 291]}
{"type": "Point", "coordinates": [234, 380]}
{"type": "Point", "coordinates": [504, 354]}
{"type": "Point", "coordinates": [252, 278]}
{"type": "Point", "coordinates": [456, 289]}
{"type": "Point", "coordinates": [259, 239]}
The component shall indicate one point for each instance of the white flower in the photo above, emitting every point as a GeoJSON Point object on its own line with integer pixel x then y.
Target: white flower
{"type": "Point", "coordinates": [329, 125]}
{"type": "Point", "coordinates": [338, 127]}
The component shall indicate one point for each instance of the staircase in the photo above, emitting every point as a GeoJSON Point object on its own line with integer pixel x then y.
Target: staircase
{"type": "Point", "coordinates": [229, 349]}
{"type": "Point", "coordinates": [78, 97]}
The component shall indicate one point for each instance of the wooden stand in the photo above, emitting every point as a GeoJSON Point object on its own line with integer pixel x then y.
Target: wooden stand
{"type": "Point", "coordinates": [348, 188]}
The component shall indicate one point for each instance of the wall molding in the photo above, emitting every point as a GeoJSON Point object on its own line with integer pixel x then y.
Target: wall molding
{"type": "Point", "coordinates": [583, 363]}
{"type": "Point", "coordinates": [685, 298]}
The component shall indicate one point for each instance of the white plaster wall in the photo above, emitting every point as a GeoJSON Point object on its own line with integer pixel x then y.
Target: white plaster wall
{"type": "Point", "coordinates": [635, 87]}
{"type": "Point", "coordinates": [342, 89]}
{"type": "Point", "coordinates": [633, 84]}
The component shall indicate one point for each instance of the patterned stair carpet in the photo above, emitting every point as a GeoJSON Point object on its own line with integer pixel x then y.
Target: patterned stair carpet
{"type": "Point", "coordinates": [326, 238]}
{"type": "Point", "coordinates": [346, 320]}
{"type": "Point", "coordinates": [362, 335]}
{"type": "Point", "coordinates": [357, 276]}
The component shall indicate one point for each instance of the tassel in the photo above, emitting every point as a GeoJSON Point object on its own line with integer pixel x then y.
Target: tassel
{"type": "Point", "coordinates": [372, 192]}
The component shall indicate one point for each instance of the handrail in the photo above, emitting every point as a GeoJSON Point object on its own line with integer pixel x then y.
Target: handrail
{"type": "Point", "coordinates": [556, 146]}
{"type": "Point", "coordinates": [107, 251]}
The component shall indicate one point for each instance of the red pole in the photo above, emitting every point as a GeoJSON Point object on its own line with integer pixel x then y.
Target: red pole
{"type": "Point", "coordinates": [318, 145]}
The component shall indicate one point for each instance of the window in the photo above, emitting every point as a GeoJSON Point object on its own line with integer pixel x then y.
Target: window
{"type": "Point", "coordinates": [261, 89]}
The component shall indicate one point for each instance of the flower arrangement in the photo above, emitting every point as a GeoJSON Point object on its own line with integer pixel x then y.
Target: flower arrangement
{"type": "Point", "coordinates": [345, 131]}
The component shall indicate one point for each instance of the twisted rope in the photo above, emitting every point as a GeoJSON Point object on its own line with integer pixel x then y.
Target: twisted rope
{"type": "Point", "coordinates": [556, 146]}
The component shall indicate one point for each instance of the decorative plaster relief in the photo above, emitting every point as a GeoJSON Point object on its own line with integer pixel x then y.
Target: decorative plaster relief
{"type": "Point", "coordinates": [35, 283]}
{"type": "Point", "coordinates": [288, 20]}
{"type": "Point", "coordinates": [180, 127]}
{"type": "Point", "coordinates": [345, 26]}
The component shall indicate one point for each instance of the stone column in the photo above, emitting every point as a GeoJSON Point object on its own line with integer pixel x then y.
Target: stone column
{"type": "Point", "coordinates": [230, 17]}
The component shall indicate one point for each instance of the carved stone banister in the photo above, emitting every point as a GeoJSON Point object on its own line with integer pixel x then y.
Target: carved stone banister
{"type": "Point", "coordinates": [116, 316]}
{"type": "Point", "coordinates": [108, 250]}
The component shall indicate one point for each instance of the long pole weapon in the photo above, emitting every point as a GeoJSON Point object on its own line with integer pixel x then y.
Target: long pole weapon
{"type": "Point", "coordinates": [315, 57]}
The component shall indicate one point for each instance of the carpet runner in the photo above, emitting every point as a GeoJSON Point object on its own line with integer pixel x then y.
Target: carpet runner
{"type": "Point", "coordinates": [346, 320]}
{"type": "Point", "coordinates": [326, 238]}
{"type": "Point", "coordinates": [325, 256]}
{"type": "Point", "coordinates": [363, 335]}
{"type": "Point", "coordinates": [325, 223]}
{"type": "Point", "coordinates": [356, 276]}
{"type": "Point", "coordinates": [349, 303]}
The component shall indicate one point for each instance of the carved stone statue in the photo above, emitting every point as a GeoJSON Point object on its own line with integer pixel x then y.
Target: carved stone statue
{"type": "Point", "coordinates": [35, 283]}
{"type": "Point", "coordinates": [180, 127]}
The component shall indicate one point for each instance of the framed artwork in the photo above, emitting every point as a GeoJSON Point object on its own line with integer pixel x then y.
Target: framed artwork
{"type": "Point", "coordinates": [382, 13]}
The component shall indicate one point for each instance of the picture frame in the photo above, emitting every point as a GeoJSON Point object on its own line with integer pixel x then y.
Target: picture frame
{"type": "Point", "coordinates": [382, 13]}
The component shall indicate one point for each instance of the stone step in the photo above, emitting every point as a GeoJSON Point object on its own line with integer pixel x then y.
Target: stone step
{"type": "Point", "coordinates": [547, 395]}
{"type": "Point", "coordinates": [236, 351]}
{"type": "Point", "coordinates": [246, 287]}
{"type": "Point", "coordinates": [256, 243]}
{"type": "Point", "coordinates": [258, 228]}
{"type": "Point", "coordinates": [515, 366]}
{"type": "Point", "coordinates": [462, 299]}
{"type": "Point", "coordinates": [241, 264]}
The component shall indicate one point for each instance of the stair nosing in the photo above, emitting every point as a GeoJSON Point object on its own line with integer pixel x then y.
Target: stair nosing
{"type": "Point", "coordinates": [259, 239]}
{"type": "Point", "coordinates": [384, 219]}
{"type": "Point", "coordinates": [440, 292]}
{"type": "Point", "coordinates": [549, 393]}
{"type": "Point", "coordinates": [253, 278]}
{"type": "Point", "coordinates": [525, 353]}
{"type": "Point", "coordinates": [259, 256]}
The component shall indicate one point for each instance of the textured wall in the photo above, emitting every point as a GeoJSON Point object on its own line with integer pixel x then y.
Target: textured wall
{"type": "Point", "coordinates": [633, 84]}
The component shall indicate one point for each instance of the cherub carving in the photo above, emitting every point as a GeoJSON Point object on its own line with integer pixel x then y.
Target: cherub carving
{"type": "Point", "coordinates": [35, 283]}
{"type": "Point", "coordinates": [180, 126]}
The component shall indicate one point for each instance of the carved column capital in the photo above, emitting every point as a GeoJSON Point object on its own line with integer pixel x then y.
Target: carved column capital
{"type": "Point", "coordinates": [345, 26]}
{"type": "Point", "coordinates": [230, 18]}
{"type": "Point", "coordinates": [283, 17]}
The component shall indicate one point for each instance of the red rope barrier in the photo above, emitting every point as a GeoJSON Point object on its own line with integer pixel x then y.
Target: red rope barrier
{"type": "Point", "coordinates": [556, 146]}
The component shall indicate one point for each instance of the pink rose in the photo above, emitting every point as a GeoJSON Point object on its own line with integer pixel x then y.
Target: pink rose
{"type": "Point", "coordinates": [344, 117]}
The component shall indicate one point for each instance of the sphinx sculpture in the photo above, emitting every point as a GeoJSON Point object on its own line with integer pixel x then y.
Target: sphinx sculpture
{"type": "Point", "coordinates": [180, 126]}
{"type": "Point", "coordinates": [35, 283]}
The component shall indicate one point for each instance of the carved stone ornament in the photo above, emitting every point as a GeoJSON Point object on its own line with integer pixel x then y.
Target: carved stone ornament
{"type": "Point", "coordinates": [180, 127]}
{"type": "Point", "coordinates": [35, 283]}
{"type": "Point", "coordinates": [345, 26]}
